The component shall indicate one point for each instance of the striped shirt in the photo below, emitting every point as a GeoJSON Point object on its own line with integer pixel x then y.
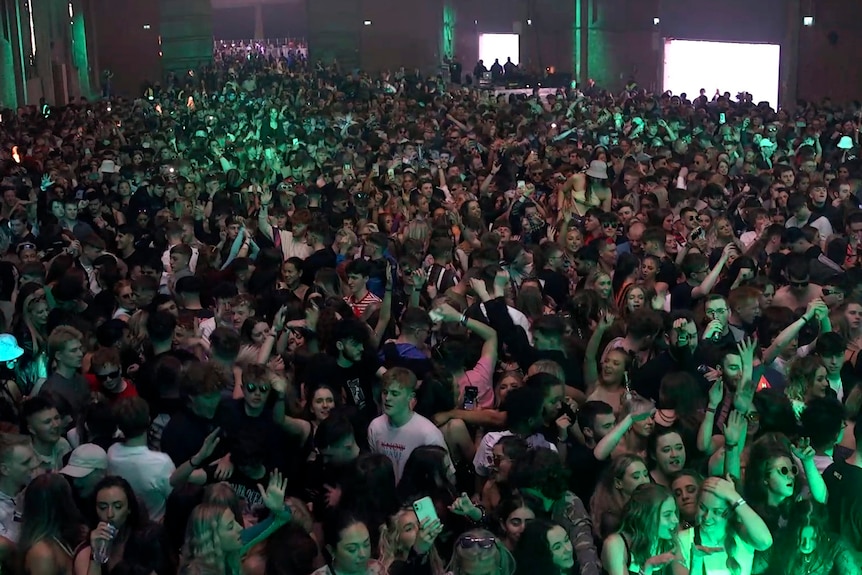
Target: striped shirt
{"type": "Point", "coordinates": [359, 306]}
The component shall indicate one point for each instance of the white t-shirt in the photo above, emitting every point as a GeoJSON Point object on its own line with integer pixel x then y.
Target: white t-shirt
{"type": "Point", "coordinates": [484, 457]}
{"type": "Point", "coordinates": [716, 563]}
{"type": "Point", "coordinates": [147, 471]}
{"type": "Point", "coordinates": [397, 443]}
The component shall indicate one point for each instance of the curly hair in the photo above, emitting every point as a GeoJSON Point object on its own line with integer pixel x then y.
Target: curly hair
{"type": "Point", "coordinates": [800, 375]}
{"type": "Point", "coordinates": [762, 457]}
{"type": "Point", "coordinates": [540, 469]}
{"type": "Point", "coordinates": [533, 553]}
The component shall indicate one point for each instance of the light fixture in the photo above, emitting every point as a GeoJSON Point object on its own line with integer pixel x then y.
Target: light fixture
{"type": "Point", "coordinates": [71, 11]}
{"type": "Point", "coordinates": [146, 26]}
{"type": "Point", "coordinates": [529, 22]}
{"type": "Point", "coordinates": [808, 21]}
{"type": "Point", "coordinates": [475, 21]}
{"type": "Point", "coordinates": [656, 21]}
{"type": "Point", "coordinates": [367, 22]}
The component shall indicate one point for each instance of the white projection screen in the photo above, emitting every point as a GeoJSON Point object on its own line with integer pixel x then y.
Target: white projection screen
{"type": "Point", "coordinates": [499, 47]}
{"type": "Point", "coordinates": [690, 65]}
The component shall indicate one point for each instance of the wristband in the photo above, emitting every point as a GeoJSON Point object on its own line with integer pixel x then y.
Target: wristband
{"type": "Point", "coordinates": [710, 410]}
{"type": "Point", "coordinates": [730, 445]}
{"type": "Point", "coordinates": [464, 319]}
{"type": "Point", "coordinates": [739, 503]}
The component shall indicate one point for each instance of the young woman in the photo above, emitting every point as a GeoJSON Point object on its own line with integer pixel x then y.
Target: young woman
{"type": "Point", "coordinates": [727, 534]}
{"type": "Point", "coordinates": [398, 539]}
{"type": "Point", "coordinates": [806, 545]}
{"type": "Point", "coordinates": [618, 481]}
{"type": "Point", "coordinates": [666, 454]}
{"type": "Point", "coordinates": [291, 279]}
{"type": "Point", "coordinates": [478, 552]}
{"type": "Point", "coordinates": [544, 547]}
{"type": "Point", "coordinates": [608, 383]}
{"type": "Point", "coordinates": [686, 490]}
{"type": "Point", "coordinates": [31, 331]}
{"type": "Point", "coordinates": [136, 544]}
{"type": "Point", "coordinates": [52, 527]}
{"type": "Point", "coordinates": [647, 541]}
{"type": "Point", "coordinates": [504, 452]}
{"type": "Point", "coordinates": [319, 402]}
{"type": "Point", "coordinates": [347, 548]}
{"type": "Point", "coordinates": [512, 516]}
{"type": "Point", "coordinates": [806, 380]}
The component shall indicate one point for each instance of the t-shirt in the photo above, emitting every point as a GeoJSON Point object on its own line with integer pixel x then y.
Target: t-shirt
{"type": "Point", "coordinates": [484, 458]}
{"type": "Point", "coordinates": [481, 377]}
{"type": "Point", "coordinates": [397, 443]}
{"type": "Point", "coordinates": [845, 501]}
{"type": "Point", "coordinates": [75, 390]}
{"type": "Point", "coordinates": [681, 296]}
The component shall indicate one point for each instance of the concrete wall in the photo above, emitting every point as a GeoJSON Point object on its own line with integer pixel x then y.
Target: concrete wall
{"type": "Point", "coordinates": [124, 46]}
{"type": "Point", "coordinates": [829, 52]}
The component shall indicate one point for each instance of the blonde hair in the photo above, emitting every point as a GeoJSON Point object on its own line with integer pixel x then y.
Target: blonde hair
{"type": "Point", "coordinates": [62, 335]}
{"type": "Point", "coordinates": [202, 552]}
{"type": "Point", "coordinates": [506, 560]}
{"type": "Point", "coordinates": [390, 550]}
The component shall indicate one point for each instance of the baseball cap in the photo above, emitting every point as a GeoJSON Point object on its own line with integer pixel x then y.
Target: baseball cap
{"type": "Point", "coordinates": [84, 460]}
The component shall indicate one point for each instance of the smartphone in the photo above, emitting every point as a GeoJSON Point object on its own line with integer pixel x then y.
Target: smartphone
{"type": "Point", "coordinates": [801, 124]}
{"type": "Point", "coordinates": [295, 142]}
{"type": "Point", "coordinates": [391, 173]}
{"type": "Point", "coordinates": [15, 155]}
{"type": "Point", "coordinates": [346, 169]}
{"type": "Point", "coordinates": [471, 397]}
{"type": "Point", "coordinates": [698, 233]}
{"type": "Point", "coordinates": [424, 509]}
{"type": "Point", "coordinates": [522, 184]}
{"type": "Point", "coordinates": [722, 118]}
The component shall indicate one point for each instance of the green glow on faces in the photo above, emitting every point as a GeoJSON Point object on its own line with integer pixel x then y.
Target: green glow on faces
{"type": "Point", "coordinates": [448, 44]}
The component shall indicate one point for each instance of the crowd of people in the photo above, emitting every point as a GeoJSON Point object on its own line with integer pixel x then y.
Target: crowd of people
{"type": "Point", "coordinates": [295, 321]}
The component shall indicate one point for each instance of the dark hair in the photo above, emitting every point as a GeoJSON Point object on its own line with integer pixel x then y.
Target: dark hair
{"type": "Point", "coordinates": [588, 412]}
{"type": "Point", "coordinates": [332, 530]}
{"type": "Point", "coordinates": [533, 553]}
{"type": "Point", "coordinates": [521, 405]}
{"type": "Point", "coordinates": [425, 474]}
{"type": "Point", "coordinates": [50, 512]}
{"type": "Point", "coordinates": [32, 406]}
{"type": "Point", "coordinates": [822, 421]}
{"type": "Point", "coordinates": [332, 430]}
{"type": "Point", "coordinates": [161, 325]}
{"type": "Point", "coordinates": [133, 416]}
{"type": "Point", "coordinates": [137, 514]}
{"type": "Point", "coordinates": [786, 554]}
{"type": "Point", "coordinates": [829, 344]}
{"type": "Point", "coordinates": [540, 469]}
{"type": "Point", "coordinates": [652, 441]}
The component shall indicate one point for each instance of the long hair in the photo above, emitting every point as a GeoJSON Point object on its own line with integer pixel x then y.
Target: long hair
{"type": "Point", "coordinates": [533, 554]}
{"type": "Point", "coordinates": [607, 500]}
{"type": "Point", "coordinates": [460, 555]}
{"type": "Point", "coordinates": [223, 495]}
{"type": "Point", "coordinates": [762, 457]}
{"type": "Point", "coordinates": [290, 550]}
{"type": "Point", "coordinates": [641, 517]}
{"type": "Point", "coordinates": [137, 518]}
{"type": "Point", "coordinates": [202, 551]}
{"type": "Point", "coordinates": [425, 474]}
{"type": "Point", "coordinates": [390, 548]}
{"type": "Point", "coordinates": [800, 374]}
{"type": "Point", "coordinates": [786, 553]}
{"type": "Point", "coordinates": [50, 512]}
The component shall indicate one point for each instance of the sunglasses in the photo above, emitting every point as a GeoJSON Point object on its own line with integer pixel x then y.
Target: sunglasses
{"type": "Point", "coordinates": [252, 387]}
{"type": "Point", "coordinates": [107, 376]}
{"type": "Point", "coordinates": [787, 471]}
{"type": "Point", "coordinates": [799, 284]}
{"type": "Point", "coordinates": [467, 542]}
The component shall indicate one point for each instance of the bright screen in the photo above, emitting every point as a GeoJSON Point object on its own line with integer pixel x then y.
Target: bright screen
{"type": "Point", "coordinates": [499, 47]}
{"type": "Point", "coordinates": [690, 65]}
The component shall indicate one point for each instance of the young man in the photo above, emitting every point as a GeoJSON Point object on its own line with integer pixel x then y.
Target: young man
{"type": "Point", "coordinates": [107, 375]}
{"type": "Point", "coordinates": [595, 419]}
{"type": "Point", "coordinates": [18, 463]}
{"type": "Point", "coordinates": [699, 278]}
{"type": "Point", "coordinates": [843, 479]}
{"type": "Point", "coordinates": [66, 350]}
{"type": "Point", "coordinates": [360, 298]}
{"type": "Point", "coordinates": [174, 236]}
{"type": "Point", "coordinates": [823, 423]}
{"type": "Point", "coordinates": [399, 430]}
{"type": "Point", "coordinates": [151, 474]}
{"type": "Point", "coordinates": [87, 466]}
{"type": "Point", "coordinates": [800, 206]}
{"type": "Point", "coordinates": [45, 428]}
{"type": "Point", "coordinates": [744, 305]}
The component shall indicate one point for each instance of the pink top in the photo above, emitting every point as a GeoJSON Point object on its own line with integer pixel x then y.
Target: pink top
{"type": "Point", "coordinates": [481, 376]}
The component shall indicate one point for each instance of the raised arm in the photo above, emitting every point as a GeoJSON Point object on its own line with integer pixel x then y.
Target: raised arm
{"type": "Point", "coordinates": [591, 355]}
{"type": "Point", "coordinates": [263, 214]}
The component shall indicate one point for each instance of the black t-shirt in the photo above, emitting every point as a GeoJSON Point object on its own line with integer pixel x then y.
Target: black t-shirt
{"type": "Point", "coordinates": [278, 444]}
{"type": "Point", "coordinates": [185, 433]}
{"type": "Point", "coordinates": [845, 501]}
{"type": "Point", "coordinates": [681, 296]}
{"type": "Point", "coordinates": [587, 470]}
{"type": "Point", "coordinates": [320, 259]}
{"type": "Point", "coordinates": [667, 273]}
{"type": "Point", "coordinates": [245, 488]}
{"type": "Point", "coordinates": [555, 285]}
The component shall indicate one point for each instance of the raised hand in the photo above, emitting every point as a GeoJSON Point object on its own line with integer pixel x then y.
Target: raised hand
{"type": "Point", "coordinates": [716, 391]}
{"type": "Point", "coordinates": [736, 423]}
{"type": "Point", "coordinates": [802, 450]}
{"type": "Point", "coordinates": [429, 530]}
{"type": "Point", "coordinates": [273, 495]}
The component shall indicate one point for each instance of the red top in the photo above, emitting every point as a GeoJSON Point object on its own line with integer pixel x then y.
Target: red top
{"type": "Point", "coordinates": [129, 391]}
